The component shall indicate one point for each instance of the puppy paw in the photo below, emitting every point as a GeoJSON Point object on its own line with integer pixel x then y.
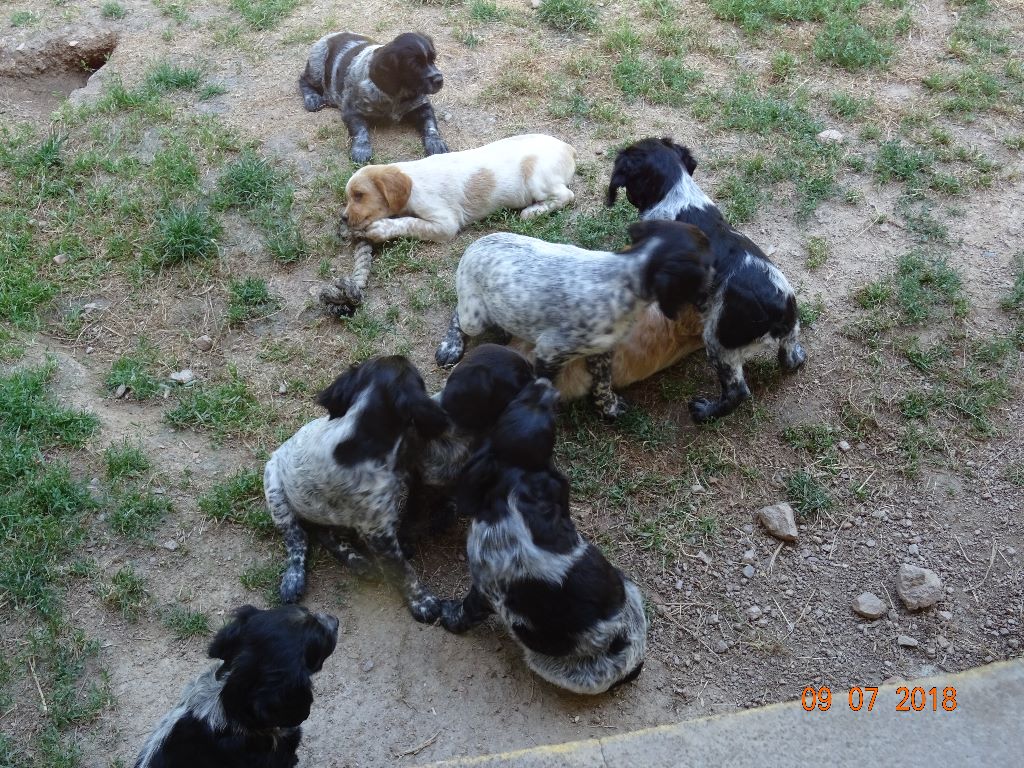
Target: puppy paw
{"type": "Point", "coordinates": [792, 359]}
{"type": "Point", "coordinates": [448, 353]}
{"type": "Point", "coordinates": [361, 567]}
{"type": "Point", "coordinates": [613, 407]}
{"type": "Point", "coordinates": [314, 102]}
{"type": "Point", "coordinates": [362, 151]}
{"type": "Point", "coordinates": [703, 410]}
{"type": "Point", "coordinates": [453, 616]}
{"type": "Point", "coordinates": [378, 231]}
{"type": "Point", "coordinates": [434, 145]}
{"type": "Point", "coordinates": [293, 584]}
{"type": "Point", "coordinates": [426, 609]}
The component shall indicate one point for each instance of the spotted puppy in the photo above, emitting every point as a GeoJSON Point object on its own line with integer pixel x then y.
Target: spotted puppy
{"type": "Point", "coordinates": [580, 622]}
{"type": "Point", "coordinates": [433, 198]}
{"type": "Point", "coordinates": [750, 304]}
{"type": "Point", "coordinates": [247, 710]}
{"type": "Point", "coordinates": [368, 81]}
{"type": "Point", "coordinates": [569, 302]}
{"type": "Point", "coordinates": [348, 473]}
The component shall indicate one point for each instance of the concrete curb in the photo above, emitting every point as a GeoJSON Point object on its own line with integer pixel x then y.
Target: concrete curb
{"type": "Point", "coordinates": [984, 729]}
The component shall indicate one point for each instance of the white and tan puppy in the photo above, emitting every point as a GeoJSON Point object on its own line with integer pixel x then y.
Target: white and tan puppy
{"type": "Point", "coordinates": [433, 198]}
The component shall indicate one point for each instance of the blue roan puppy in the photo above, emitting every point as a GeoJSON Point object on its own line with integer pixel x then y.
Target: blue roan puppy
{"type": "Point", "coordinates": [580, 622]}
{"type": "Point", "coordinates": [368, 81]}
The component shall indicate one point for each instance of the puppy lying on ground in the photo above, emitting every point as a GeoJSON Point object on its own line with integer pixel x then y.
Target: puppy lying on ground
{"type": "Point", "coordinates": [435, 197]}
{"type": "Point", "coordinates": [569, 302]}
{"type": "Point", "coordinates": [368, 81]}
{"type": "Point", "coordinates": [750, 304]}
{"type": "Point", "coordinates": [349, 473]}
{"type": "Point", "coordinates": [246, 711]}
{"type": "Point", "coordinates": [580, 622]}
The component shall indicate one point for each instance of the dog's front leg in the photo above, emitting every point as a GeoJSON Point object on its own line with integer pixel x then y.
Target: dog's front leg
{"type": "Point", "coordinates": [362, 150]}
{"type": "Point", "coordinates": [611, 405]}
{"type": "Point", "coordinates": [734, 391]}
{"type": "Point", "coordinates": [457, 616]}
{"type": "Point", "coordinates": [423, 605]}
{"type": "Point", "coordinates": [411, 226]}
{"type": "Point", "coordinates": [426, 123]}
{"type": "Point", "coordinates": [453, 345]}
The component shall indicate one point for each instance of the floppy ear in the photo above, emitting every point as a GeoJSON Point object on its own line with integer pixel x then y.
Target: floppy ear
{"type": "Point", "coordinates": [688, 159]}
{"type": "Point", "coordinates": [384, 67]}
{"type": "Point", "coordinates": [225, 644]}
{"type": "Point", "coordinates": [681, 275]}
{"type": "Point", "coordinates": [338, 396]}
{"type": "Point", "coordinates": [394, 186]}
{"type": "Point", "coordinates": [476, 477]}
{"type": "Point", "coordinates": [641, 230]}
{"type": "Point", "coordinates": [621, 172]}
{"type": "Point", "coordinates": [261, 696]}
{"type": "Point", "coordinates": [428, 417]}
{"type": "Point", "coordinates": [460, 398]}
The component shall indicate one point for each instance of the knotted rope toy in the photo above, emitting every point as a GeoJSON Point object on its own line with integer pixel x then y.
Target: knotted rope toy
{"type": "Point", "coordinates": [343, 296]}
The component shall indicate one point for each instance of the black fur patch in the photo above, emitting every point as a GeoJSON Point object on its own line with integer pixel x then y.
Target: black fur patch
{"type": "Point", "coordinates": [483, 384]}
{"type": "Point", "coordinates": [406, 66]}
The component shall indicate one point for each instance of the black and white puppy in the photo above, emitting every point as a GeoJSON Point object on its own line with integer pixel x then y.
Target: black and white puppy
{"type": "Point", "coordinates": [580, 622]}
{"type": "Point", "coordinates": [569, 302]}
{"type": "Point", "coordinates": [750, 304]}
{"type": "Point", "coordinates": [347, 475]}
{"type": "Point", "coordinates": [246, 711]}
{"type": "Point", "coordinates": [368, 82]}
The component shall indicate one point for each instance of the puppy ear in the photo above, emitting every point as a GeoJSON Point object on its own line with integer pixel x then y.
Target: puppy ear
{"type": "Point", "coordinates": [428, 417]}
{"type": "Point", "coordinates": [337, 398]}
{"type": "Point", "coordinates": [476, 477]}
{"type": "Point", "coordinates": [680, 274]}
{"type": "Point", "coordinates": [688, 159]}
{"type": "Point", "coordinates": [260, 696]}
{"type": "Point", "coordinates": [641, 230]}
{"type": "Point", "coordinates": [621, 172]}
{"type": "Point", "coordinates": [394, 186]}
{"type": "Point", "coordinates": [226, 643]}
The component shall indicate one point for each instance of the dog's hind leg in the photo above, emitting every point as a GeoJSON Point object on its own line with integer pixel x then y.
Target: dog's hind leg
{"type": "Point", "coordinates": [453, 345]}
{"type": "Point", "coordinates": [423, 605]}
{"type": "Point", "coordinates": [560, 197]}
{"type": "Point", "coordinates": [341, 551]}
{"type": "Point", "coordinates": [426, 124]}
{"type": "Point", "coordinates": [457, 616]}
{"type": "Point", "coordinates": [311, 96]}
{"type": "Point", "coordinates": [296, 541]}
{"type": "Point", "coordinates": [734, 390]}
{"type": "Point", "coordinates": [610, 404]}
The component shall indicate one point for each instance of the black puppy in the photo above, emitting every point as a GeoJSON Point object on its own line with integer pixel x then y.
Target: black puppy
{"type": "Point", "coordinates": [369, 81]}
{"type": "Point", "coordinates": [580, 622]}
{"type": "Point", "coordinates": [247, 711]}
{"type": "Point", "coordinates": [750, 304]}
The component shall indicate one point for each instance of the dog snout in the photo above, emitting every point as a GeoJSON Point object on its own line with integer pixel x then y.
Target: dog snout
{"type": "Point", "coordinates": [329, 622]}
{"type": "Point", "coordinates": [548, 394]}
{"type": "Point", "coordinates": [435, 80]}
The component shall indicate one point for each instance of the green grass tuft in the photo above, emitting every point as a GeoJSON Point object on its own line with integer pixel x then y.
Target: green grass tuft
{"type": "Point", "coordinates": [126, 593]}
{"type": "Point", "coordinates": [263, 14]}
{"type": "Point", "coordinates": [568, 15]}
{"type": "Point", "coordinates": [221, 409]}
{"type": "Point", "coordinates": [487, 11]}
{"type": "Point", "coordinates": [186, 624]}
{"type": "Point", "coordinates": [808, 496]}
{"type": "Point", "coordinates": [136, 371]}
{"type": "Point", "coordinates": [184, 234]}
{"type": "Point", "coordinates": [239, 500]}
{"type": "Point", "coordinates": [165, 76]}
{"type": "Point", "coordinates": [125, 460]}
{"type": "Point", "coordinates": [113, 10]}
{"type": "Point", "coordinates": [138, 513]}
{"type": "Point", "coordinates": [247, 182]}
{"type": "Point", "coordinates": [250, 298]}
{"type": "Point", "coordinates": [847, 44]}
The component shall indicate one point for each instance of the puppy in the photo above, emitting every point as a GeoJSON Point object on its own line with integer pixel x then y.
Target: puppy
{"type": "Point", "coordinates": [368, 81]}
{"type": "Point", "coordinates": [349, 473]}
{"type": "Point", "coordinates": [580, 622]}
{"type": "Point", "coordinates": [246, 711]}
{"type": "Point", "coordinates": [572, 303]}
{"type": "Point", "coordinates": [750, 304]}
{"type": "Point", "coordinates": [435, 197]}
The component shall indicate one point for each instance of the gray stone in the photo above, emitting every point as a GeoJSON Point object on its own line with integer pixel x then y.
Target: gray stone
{"type": "Point", "coordinates": [203, 343]}
{"type": "Point", "coordinates": [749, 557]}
{"type": "Point", "coordinates": [185, 376]}
{"type": "Point", "coordinates": [906, 641]}
{"type": "Point", "coordinates": [60, 258]}
{"type": "Point", "coordinates": [720, 646]}
{"type": "Point", "coordinates": [754, 613]}
{"type": "Point", "coordinates": [748, 571]}
{"type": "Point", "coordinates": [913, 549]}
{"type": "Point", "coordinates": [869, 606]}
{"type": "Point", "coordinates": [121, 391]}
{"type": "Point", "coordinates": [830, 136]}
{"type": "Point", "coordinates": [844, 446]}
{"type": "Point", "coordinates": [779, 521]}
{"type": "Point", "coordinates": [918, 587]}
{"type": "Point", "coordinates": [170, 545]}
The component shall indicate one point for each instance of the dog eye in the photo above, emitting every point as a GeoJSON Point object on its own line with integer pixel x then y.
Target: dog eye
{"type": "Point", "coordinates": [357, 196]}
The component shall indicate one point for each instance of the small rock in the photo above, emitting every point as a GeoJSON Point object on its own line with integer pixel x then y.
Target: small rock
{"type": "Point", "coordinates": [779, 521]}
{"type": "Point", "coordinates": [748, 571]}
{"type": "Point", "coordinates": [870, 543]}
{"type": "Point", "coordinates": [535, 3]}
{"type": "Point", "coordinates": [720, 646]}
{"type": "Point", "coordinates": [204, 343]}
{"type": "Point", "coordinates": [59, 259]}
{"type": "Point", "coordinates": [830, 136]}
{"type": "Point", "coordinates": [844, 446]}
{"type": "Point", "coordinates": [447, 116]}
{"type": "Point", "coordinates": [713, 619]}
{"type": "Point", "coordinates": [367, 666]}
{"type": "Point", "coordinates": [869, 606]}
{"type": "Point", "coordinates": [121, 391]}
{"type": "Point", "coordinates": [918, 587]}
{"type": "Point", "coordinates": [913, 549]}
{"type": "Point", "coordinates": [704, 557]}
{"type": "Point", "coordinates": [89, 350]}
{"type": "Point", "coordinates": [907, 641]}
{"type": "Point", "coordinates": [749, 557]}
{"type": "Point", "coordinates": [283, 389]}
{"type": "Point", "coordinates": [185, 376]}
{"type": "Point", "coordinates": [754, 613]}
{"type": "Point", "coordinates": [943, 642]}
{"type": "Point", "coordinates": [1010, 551]}
{"type": "Point", "coordinates": [170, 545]}
{"type": "Point", "coordinates": [697, 488]}
{"type": "Point", "coordinates": [945, 615]}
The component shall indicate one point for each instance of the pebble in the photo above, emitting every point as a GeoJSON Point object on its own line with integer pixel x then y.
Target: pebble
{"type": "Point", "coordinates": [204, 343]}
{"type": "Point", "coordinates": [185, 376]}
{"type": "Point", "coordinates": [367, 666]}
{"type": "Point", "coordinates": [870, 543]}
{"type": "Point", "coordinates": [720, 646]}
{"type": "Point", "coordinates": [704, 557]}
{"type": "Point", "coordinates": [59, 259]}
{"type": "Point", "coordinates": [779, 521]}
{"type": "Point", "coordinates": [121, 391]}
{"type": "Point", "coordinates": [749, 557]}
{"type": "Point", "coordinates": [943, 642]}
{"type": "Point", "coordinates": [830, 136]}
{"type": "Point", "coordinates": [754, 613]}
{"type": "Point", "coordinates": [913, 549]}
{"type": "Point", "coordinates": [945, 615]}
{"type": "Point", "coordinates": [1010, 551]}
{"type": "Point", "coordinates": [907, 641]}
{"type": "Point", "coordinates": [844, 446]}
{"type": "Point", "coordinates": [748, 571]}
{"type": "Point", "coordinates": [918, 587]}
{"type": "Point", "coordinates": [869, 605]}
{"type": "Point", "coordinates": [170, 545]}
{"type": "Point", "coordinates": [89, 350]}
{"type": "Point", "coordinates": [283, 389]}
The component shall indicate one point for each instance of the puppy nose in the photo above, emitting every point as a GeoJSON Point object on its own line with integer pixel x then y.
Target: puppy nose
{"type": "Point", "coordinates": [329, 622]}
{"type": "Point", "coordinates": [437, 80]}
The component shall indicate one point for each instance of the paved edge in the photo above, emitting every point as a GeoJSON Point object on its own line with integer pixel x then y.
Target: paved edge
{"type": "Point", "coordinates": [984, 729]}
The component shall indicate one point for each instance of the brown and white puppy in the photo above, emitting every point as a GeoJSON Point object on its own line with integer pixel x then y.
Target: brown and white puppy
{"type": "Point", "coordinates": [433, 198]}
{"type": "Point", "coordinates": [653, 344]}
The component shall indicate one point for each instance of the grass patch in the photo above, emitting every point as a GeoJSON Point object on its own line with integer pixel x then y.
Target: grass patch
{"type": "Point", "coordinates": [250, 298]}
{"type": "Point", "coordinates": [126, 593]}
{"type": "Point", "coordinates": [137, 372]}
{"type": "Point", "coordinates": [817, 252]}
{"type": "Point", "coordinates": [898, 162]}
{"type": "Point", "coordinates": [113, 10]}
{"type": "Point", "coordinates": [846, 43]}
{"type": "Point", "coordinates": [568, 15]}
{"type": "Point", "coordinates": [184, 234]}
{"type": "Point", "coordinates": [808, 496]}
{"type": "Point", "coordinates": [487, 11]}
{"type": "Point", "coordinates": [166, 76]}
{"type": "Point", "coordinates": [247, 182]}
{"type": "Point", "coordinates": [926, 282]}
{"type": "Point", "coordinates": [239, 500]}
{"type": "Point", "coordinates": [221, 409]}
{"type": "Point", "coordinates": [125, 460]}
{"type": "Point", "coordinates": [263, 14]}
{"type": "Point", "coordinates": [138, 512]}
{"type": "Point", "coordinates": [185, 624]}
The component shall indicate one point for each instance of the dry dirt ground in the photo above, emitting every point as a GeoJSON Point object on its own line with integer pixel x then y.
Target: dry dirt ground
{"type": "Point", "coordinates": [672, 504]}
